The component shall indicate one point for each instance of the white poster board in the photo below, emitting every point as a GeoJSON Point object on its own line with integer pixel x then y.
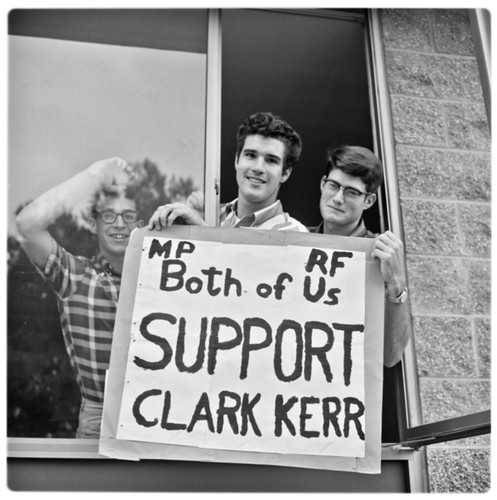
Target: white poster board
{"type": "Point", "coordinates": [247, 346]}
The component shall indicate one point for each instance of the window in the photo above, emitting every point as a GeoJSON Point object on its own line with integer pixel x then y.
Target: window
{"type": "Point", "coordinates": [270, 71]}
{"type": "Point", "coordinates": [81, 92]}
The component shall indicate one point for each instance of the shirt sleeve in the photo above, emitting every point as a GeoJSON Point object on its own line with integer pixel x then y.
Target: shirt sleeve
{"type": "Point", "coordinates": [63, 271]}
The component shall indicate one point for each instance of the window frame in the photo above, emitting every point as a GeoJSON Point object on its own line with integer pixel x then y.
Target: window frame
{"type": "Point", "coordinates": [29, 447]}
{"type": "Point", "coordinates": [481, 27]}
{"type": "Point", "coordinates": [212, 172]}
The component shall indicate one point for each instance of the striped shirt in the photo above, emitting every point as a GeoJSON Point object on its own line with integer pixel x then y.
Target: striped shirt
{"type": "Point", "coordinates": [271, 217]}
{"type": "Point", "coordinates": [87, 291]}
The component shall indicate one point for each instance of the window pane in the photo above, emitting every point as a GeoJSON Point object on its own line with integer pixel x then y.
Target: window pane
{"type": "Point", "coordinates": [72, 103]}
{"type": "Point", "coordinates": [309, 69]}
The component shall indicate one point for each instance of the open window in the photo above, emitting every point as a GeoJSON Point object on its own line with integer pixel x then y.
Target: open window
{"type": "Point", "coordinates": [321, 70]}
{"type": "Point", "coordinates": [318, 54]}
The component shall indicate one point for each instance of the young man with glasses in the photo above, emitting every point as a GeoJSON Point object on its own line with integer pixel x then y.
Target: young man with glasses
{"type": "Point", "coordinates": [353, 177]}
{"type": "Point", "coordinates": [87, 290]}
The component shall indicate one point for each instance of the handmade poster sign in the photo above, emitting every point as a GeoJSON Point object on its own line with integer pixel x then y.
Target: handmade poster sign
{"type": "Point", "coordinates": [252, 345]}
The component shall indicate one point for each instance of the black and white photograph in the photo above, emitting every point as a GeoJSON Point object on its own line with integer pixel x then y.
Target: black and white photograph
{"type": "Point", "coordinates": [248, 249]}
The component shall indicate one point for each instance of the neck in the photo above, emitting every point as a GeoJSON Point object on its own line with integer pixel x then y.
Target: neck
{"type": "Point", "coordinates": [245, 207]}
{"type": "Point", "coordinates": [116, 261]}
{"type": "Point", "coordinates": [340, 230]}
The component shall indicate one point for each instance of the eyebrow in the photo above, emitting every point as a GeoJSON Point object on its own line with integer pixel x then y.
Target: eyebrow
{"type": "Point", "coordinates": [269, 155]}
{"type": "Point", "coordinates": [346, 186]}
{"type": "Point", "coordinates": [115, 211]}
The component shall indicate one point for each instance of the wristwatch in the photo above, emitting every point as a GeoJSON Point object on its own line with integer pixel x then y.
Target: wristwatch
{"type": "Point", "coordinates": [400, 299]}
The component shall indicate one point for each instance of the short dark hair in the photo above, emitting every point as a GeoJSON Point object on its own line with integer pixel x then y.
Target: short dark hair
{"type": "Point", "coordinates": [358, 162]}
{"type": "Point", "coordinates": [272, 126]}
{"type": "Point", "coordinates": [102, 196]}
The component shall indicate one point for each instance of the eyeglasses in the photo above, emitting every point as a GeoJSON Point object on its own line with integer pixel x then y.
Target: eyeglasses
{"type": "Point", "coordinates": [349, 193]}
{"type": "Point", "coordinates": [109, 217]}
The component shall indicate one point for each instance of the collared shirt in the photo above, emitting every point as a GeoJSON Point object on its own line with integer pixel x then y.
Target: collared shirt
{"type": "Point", "coordinates": [271, 217]}
{"type": "Point", "coordinates": [361, 231]}
{"type": "Point", "coordinates": [87, 292]}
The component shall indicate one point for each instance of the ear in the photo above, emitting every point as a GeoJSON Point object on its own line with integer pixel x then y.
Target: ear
{"type": "Point", "coordinates": [93, 225]}
{"type": "Point", "coordinates": [285, 175]}
{"type": "Point", "coordinates": [140, 223]}
{"type": "Point", "coordinates": [369, 202]}
{"type": "Point", "coordinates": [321, 185]}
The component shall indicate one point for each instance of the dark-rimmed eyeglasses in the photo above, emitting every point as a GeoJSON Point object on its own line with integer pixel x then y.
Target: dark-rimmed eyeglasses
{"type": "Point", "coordinates": [349, 193]}
{"type": "Point", "coordinates": [109, 217]}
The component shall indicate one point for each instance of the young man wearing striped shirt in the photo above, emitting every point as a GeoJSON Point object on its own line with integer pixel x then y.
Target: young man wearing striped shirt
{"type": "Point", "coordinates": [267, 150]}
{"type": "Point", "coordinates": [87, 290]}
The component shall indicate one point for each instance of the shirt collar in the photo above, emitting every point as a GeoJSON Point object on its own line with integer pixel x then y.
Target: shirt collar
{"type": "Point", "coordinates": [360, 231]}
{"type": "Point", "coordinates": [257, 218]}
{"type": "Point", "coordinates": [102, 264]}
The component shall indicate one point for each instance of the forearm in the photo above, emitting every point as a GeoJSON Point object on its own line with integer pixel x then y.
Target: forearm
{"type": "Point", "coordinates": [77, 192]}
{"type": "Point", "coordinates": [44, 210]}
{"type": "Point", "coordinates": [398, 329]}
{"type": "Point", "coordinates": [389, 250]}
{"type": "Point", "coordinates": [35, 219]}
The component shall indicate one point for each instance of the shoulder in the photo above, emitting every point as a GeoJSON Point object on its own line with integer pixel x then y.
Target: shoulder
{"type": "Point", "coordinates": [72, 267]}
{"type": "Point", "coordinates": [298, 225]}
{"type": "Point", "coordinates": [295, 225]}
{"type": "Point", "coordinates": [361, 231]}
{"type": "Point", "coordinates": [64, 271]}
{"type": "Point", "coordinates": [60, 257]}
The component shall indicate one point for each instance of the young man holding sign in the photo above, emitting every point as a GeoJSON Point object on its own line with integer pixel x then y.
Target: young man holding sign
{"type": "Point", "coordinates": [267, 150]}
{"type": "Point", "coordinates": [87, 289]}
{"type": "Point", "coordinates": [353, 176]}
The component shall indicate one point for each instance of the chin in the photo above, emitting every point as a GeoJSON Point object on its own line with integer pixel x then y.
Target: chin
{"type": "Point", "coordinates": [329, 216]}
{"type": "Point", "coordinates": [252, 197]}
{"type": "Point", "coordinates": [118, 248]}
{"type": "Point", "coordinates": [254, 188]}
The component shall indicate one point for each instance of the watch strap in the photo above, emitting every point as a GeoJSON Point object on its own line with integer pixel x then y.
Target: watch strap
{"type": "Point", "coordinates": [400, 299]}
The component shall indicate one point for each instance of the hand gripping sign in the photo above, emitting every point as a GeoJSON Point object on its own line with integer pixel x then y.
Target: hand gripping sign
{"type": "Point", "coordinates": [247, 346]}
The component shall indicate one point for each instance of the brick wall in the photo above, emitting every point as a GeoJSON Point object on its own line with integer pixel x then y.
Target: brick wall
{"type": "Point", "coordinates": [442, 146]}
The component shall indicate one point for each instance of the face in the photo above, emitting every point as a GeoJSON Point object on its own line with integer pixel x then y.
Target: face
{"type": "Point", "coordinates": [259, 170]}
{"type": "Point", "coordinates": [339, 212]}
{"type": "Point", "coordinates": [113, 238]}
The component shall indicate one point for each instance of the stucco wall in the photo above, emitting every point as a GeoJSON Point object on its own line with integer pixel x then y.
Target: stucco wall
{"type": "Point", "coordinates": [442, 146]}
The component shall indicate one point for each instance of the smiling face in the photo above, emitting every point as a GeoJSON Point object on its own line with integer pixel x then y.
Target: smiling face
{"type": "Point", "coordinates": [113, 238]}
{"type": "Point", "coordinates": [341, 215]}
{"type": "Point", "coordinates": [259, 173]}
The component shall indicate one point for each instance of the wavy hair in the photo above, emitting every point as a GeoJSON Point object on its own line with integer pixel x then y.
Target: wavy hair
{"type": "Point", "coordinates": [271, 126]}
{"type": "Point", "coordinates": [358, 162]}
